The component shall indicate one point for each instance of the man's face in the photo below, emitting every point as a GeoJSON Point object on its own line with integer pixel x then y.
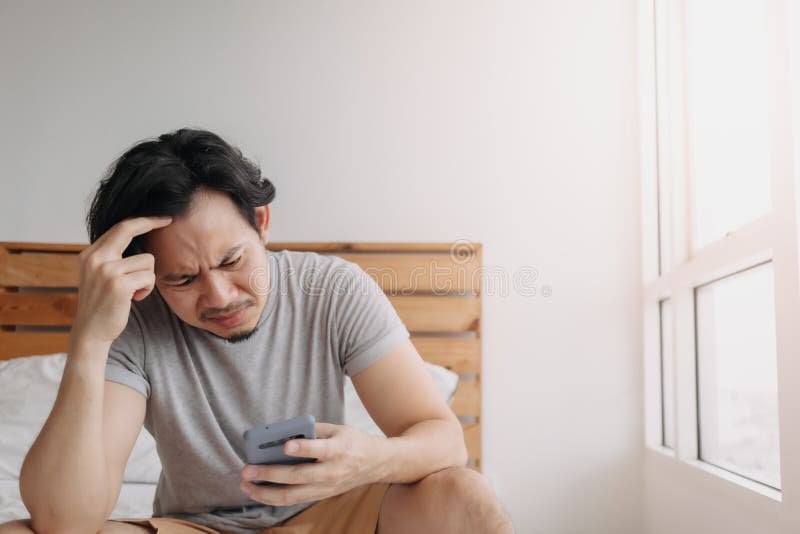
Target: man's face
{"type": "Point", "coordinates": [211, 266]}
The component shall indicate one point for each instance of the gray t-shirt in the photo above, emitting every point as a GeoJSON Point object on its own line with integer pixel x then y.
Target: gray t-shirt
{"type": "Point", "coordinates": [324, 317]}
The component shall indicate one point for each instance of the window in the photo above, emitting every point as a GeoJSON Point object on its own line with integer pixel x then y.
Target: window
{"type": "Point", "coordinates": [720, 246]}
{"type": "Point", "coordinates": [727, 115]}
{"type": "Point", "coordinates": [737, 375]}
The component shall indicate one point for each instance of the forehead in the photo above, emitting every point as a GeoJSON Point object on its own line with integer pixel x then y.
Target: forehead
{"type": "Point", "coordinates": [209, 229]}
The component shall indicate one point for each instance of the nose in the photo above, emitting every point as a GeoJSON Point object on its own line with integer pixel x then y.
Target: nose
{"type": "Point", "coordinates": [219, 292]}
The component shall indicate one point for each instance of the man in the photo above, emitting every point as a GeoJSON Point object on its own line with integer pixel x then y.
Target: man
{"type": "Point", "coordinates": [188, 325]}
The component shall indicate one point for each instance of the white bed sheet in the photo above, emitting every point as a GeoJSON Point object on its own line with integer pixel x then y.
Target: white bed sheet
{"type": "Point", "coordinates": [135, 500]}
{"type": "Point", "coordinates": [28, 388]}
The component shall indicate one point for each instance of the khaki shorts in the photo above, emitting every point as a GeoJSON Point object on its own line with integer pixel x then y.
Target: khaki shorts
{"type": "Point", "coordinates": [355, 511]}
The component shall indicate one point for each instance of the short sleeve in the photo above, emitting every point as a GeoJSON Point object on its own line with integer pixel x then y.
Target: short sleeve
{"type": "Point", "coordinates": [125, 364]}
{"type": "Point", "coordinates": [367, 325]}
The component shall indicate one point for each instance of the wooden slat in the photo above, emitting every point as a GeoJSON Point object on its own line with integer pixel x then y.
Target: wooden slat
{"type": "Point", "coordinates": [467, 399]}
{"type": "Point", "coordinates": [55, 265]}
{"type": "Point", "coordinates": [39, 269]}
{"type": "Point", "coordinates": [18, 344]}
{"type": "Point", "coordinates": [407, 274]}
{"type": "Point", "coordinates": [432, 314]}
{"type": "Point", "coordinates": [38, 309]}
{"type": "Point", "coordinates": [344, 247]}
{"type": "Point", "coordinates": [460, 355]}
{"type": "Point", "coordinates": [472, 439]}
{"type": "Point", "coordinates": [13, 246]}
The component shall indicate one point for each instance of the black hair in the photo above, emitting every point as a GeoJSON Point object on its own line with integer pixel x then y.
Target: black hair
{"type": "Point", "coordinates": [160, 177]}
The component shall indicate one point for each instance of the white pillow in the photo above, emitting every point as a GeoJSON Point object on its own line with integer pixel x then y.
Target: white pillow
{"type": "Point", "coordinates": [356, 415]}
{"type": "Point", "coordinates": [28, 388]}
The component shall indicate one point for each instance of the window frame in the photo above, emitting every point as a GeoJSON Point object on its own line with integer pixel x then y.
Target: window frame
{"type": "Point", "coordinates": [666, 239]}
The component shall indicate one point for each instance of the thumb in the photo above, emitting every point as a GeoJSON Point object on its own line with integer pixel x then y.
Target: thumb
{"type": "Point", "coordinates": [140, 294]}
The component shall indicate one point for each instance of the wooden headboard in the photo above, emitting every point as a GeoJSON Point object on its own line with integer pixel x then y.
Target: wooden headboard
{"type": "Point", "coordinates": [435, 288]}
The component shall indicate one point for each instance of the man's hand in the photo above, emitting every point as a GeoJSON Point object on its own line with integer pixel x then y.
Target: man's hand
{"type": "Point", "coordinates": [346, 458]}
{"type": "Point", "coordinates": [108, 282]}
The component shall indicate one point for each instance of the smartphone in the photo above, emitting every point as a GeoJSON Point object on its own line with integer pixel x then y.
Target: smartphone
{"type": "Point", "coordinates": [264, 444]}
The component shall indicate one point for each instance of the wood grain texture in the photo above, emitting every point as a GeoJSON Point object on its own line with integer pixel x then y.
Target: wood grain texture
{"type": "Point", "coordinates": [435, 288]}
{"type": "Point", "coordinates": [431, 314]}
{"type": "Point", "coordinates": [38, 309]}
{"type": "Point", "coordinates": [19, 344]}
{"type": "Point", "coordinates": [460, 355]}
{"type": "Point", "coordinates": [27, 246]}
{"type": "Point", "coordinates": [39, 269]}
{"type": "Point", "coordinates": [467, 399]}
{"type": "Point", "coordinates": [407, 274]}
{"type": "Point", "coordinates": [472, 438]}
{"type": "Point", "coordinates": [343, 246]}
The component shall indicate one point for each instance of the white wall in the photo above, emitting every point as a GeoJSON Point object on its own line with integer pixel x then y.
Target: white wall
{"type": "Point", "coordinates": [508, 123]}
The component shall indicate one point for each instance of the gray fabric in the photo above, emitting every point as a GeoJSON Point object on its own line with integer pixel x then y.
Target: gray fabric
{"type": "Point", "coordinates": [324, 317]}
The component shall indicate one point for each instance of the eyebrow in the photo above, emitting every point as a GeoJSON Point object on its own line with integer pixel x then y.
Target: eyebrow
{"type": "Point", "coordinates": [175, 277]}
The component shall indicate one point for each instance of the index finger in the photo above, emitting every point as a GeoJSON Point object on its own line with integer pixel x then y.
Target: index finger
{"type": "Point", "coordinates": [326, 430]}
{"type": "Point", "coordinates": [119, 236]}
{"type": "Point", "coordinates": [319, 449]}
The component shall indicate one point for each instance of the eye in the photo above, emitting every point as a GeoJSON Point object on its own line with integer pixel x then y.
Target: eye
{"type": "Point", "coordinates": [232, 263]}
{"type": "Point", "coordinates": [189, 279]}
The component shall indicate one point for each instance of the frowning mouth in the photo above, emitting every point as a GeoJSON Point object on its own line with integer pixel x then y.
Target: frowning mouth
{"type": "Point", "coordinates": [227, 321]}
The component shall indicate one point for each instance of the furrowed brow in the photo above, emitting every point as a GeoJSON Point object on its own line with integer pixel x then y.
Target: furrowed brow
{"type": "Point", "coordinates": [176, 277]}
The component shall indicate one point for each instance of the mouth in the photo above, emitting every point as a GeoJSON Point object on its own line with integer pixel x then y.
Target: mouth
{"type": "Point", "coordinates": [228, 321]}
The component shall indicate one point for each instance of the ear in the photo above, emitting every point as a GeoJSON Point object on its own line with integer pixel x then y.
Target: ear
{"type": "Point", "coordinates": [262, 222]}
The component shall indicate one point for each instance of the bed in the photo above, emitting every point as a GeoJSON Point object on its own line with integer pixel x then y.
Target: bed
{"type": "Point", "coordinates": [435, 288]}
